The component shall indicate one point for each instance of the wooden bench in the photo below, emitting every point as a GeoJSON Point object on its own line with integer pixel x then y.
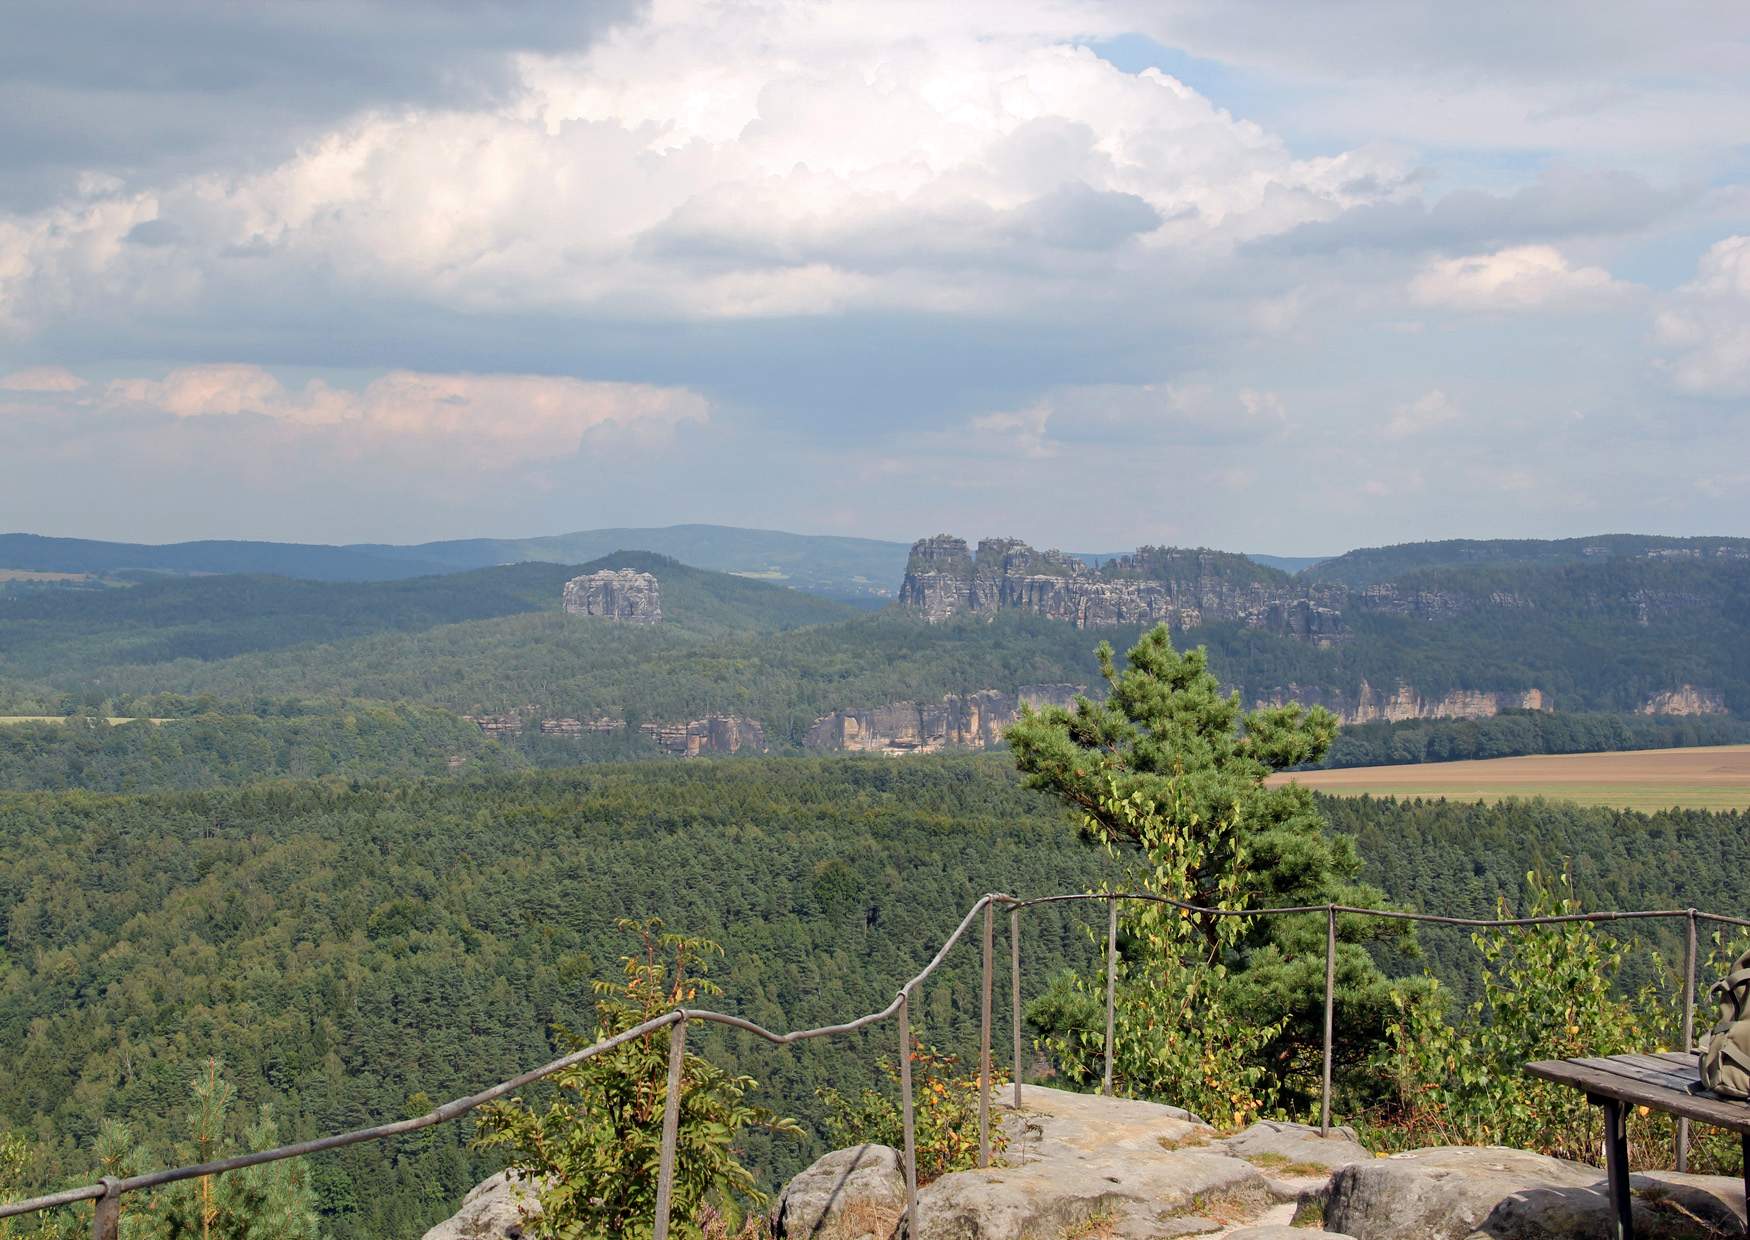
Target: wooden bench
{"type": "Point", "coordinates": [1669, 1082]}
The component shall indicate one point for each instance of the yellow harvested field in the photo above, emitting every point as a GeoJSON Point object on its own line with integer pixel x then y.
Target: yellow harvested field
{"type": "Point", "coordinates": [22, 574]}
{"type": "Point", "coordinates": [1706, 777]}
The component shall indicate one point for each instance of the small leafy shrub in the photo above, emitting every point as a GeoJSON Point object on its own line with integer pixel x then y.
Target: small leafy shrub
{"type": "Point", "coordinates": [593, 1152]}
{"type": "Point", "coordinates": [1547, 994]}
{"type": "Point", "coordinates": [944, 1113]}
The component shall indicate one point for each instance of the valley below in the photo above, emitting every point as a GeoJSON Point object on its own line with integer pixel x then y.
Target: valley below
{"type": "Point", "coordinates": [367, 840]}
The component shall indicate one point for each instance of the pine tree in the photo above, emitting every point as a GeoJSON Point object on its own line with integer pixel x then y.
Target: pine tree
{"type": "Point", "coordinates": [1168, 749]}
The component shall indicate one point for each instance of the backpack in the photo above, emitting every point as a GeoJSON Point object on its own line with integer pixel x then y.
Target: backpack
{"type": "Point", "coordinates": [1725, 1056]}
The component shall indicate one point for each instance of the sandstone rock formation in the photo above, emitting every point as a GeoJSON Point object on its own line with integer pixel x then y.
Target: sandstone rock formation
{"type": "Point", "coordinates": [715, 734]}
{"type": "Point", "coordinates": [1368, 705]}
{"type": "Point", "coordinates": [493, 1210]}
{"type": "Point", "coordinates": [498, 726]}
{"type": "Point", "coordinates": [1185, 588]}
{"type": "Point", "coordinates": [854, 1194]}
{"type": "Point", "coordinates": [1080, 1164]}
{"type": "Point", "coordinates": [599, 726]}
{"type": "Point", "coordinates": [1462, 1193]}
{"type": "Point", "coordinates": [623, 594]}
{"type": "Point", "coordinates": [1685, 700]}
{"type": "Point", "coordinates": [958, 721]}
{"type": "Point", "coordinates": [1117, 1168]}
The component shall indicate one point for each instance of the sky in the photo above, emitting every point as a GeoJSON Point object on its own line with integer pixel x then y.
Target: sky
{"type": "Point", "coordinates": [1274, 277]}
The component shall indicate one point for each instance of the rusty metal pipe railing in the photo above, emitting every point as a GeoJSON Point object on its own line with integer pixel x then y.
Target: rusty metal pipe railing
{"type": "Point", "coordinates": [108, 1192]}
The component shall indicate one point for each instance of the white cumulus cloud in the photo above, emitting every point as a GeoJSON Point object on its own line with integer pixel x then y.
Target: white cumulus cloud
{"type": "Point", "coordinates": [1705, 324]}
{"type": "Point", "coordinates": [469, 421]}
{"type": "Point", "coordinates": [1525, 277]}
{"type": "Point", "coordinates": [41, 379]}
{"type": "Point", "coordinates": [721, 159]}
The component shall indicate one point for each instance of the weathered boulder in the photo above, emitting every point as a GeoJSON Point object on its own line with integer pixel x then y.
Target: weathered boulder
{"type": "Point", "coordinates": [492, 1210]}
{"type": "Point", "coordinates": [1148, 1168]}
{"type": "Point", "coordinates": [623, 594]}
{"type": "Point", "coordinates": [854, 1194]}
{"type": "Point", "coordinates": [1475, 1193]}
{"type": "Point", "coordinates": [1277, 1145]}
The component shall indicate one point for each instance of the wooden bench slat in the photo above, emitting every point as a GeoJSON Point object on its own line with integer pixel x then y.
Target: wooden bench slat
{"type": "Point", "coordinates": [1662, 1077]}
{"type": "Point", "coordinates": [1668, 1061]}
{"type": "Point", "coordinates": [1605, 1083]}
{"type": "Point", "coordinates": [1689, 1059]}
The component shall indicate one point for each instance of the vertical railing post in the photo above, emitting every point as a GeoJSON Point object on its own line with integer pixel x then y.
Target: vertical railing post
{"type": "Point", "coordinates": [1015, 992]}
{"type": "Point", "coordinates": [1688, 1026]}
{"type": "Point", "coordinates": [990, 913]}
{"type": "Point", "coordinates": [1111, 983]}
{"type": "Point", "coordinates": [1330, 1009]}
{"type": "Point", "coordinates": [671, 1119]}
{"type": "Point", "coordinates": [106, 1215]}
{"type": "Point", "coordinates": [905, 1106]}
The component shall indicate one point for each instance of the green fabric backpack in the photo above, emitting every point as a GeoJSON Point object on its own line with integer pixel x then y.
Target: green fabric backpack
{"type": "Point", "coordinates": [1725, 1056]}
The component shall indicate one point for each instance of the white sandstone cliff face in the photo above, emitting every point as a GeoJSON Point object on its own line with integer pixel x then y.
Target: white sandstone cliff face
{"type": "Point", "coordinates": [1685, 700]}
{"type": "Point", "coordinates": [623, 594]}
{"type": "Point", "coordinates": [715, 734]}
{"type": "Point", "coordinates": [1369, 705]}
{"type": "Point", "coordinates": [959, 721]}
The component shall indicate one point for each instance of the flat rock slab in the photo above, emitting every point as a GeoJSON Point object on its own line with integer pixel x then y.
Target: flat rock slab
{"type": "Point", "coordinates": [1277, 1145]}
{"type": "Point", "coordinates": [1279, 1231]}
{"type": "Point", "coordinates": [1493, 1193]}
{"type": "Point", "coordinates": [1149, 1169]}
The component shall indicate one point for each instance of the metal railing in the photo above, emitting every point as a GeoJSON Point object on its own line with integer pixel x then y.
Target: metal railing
{"type": "Point", "coordinates": [107, 1193]}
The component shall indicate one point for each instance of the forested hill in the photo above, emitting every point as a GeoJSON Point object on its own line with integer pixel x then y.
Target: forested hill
{"type": "Point", "coordinates": [201, 619]}
{"type": "Point", "coordinates": [1371, 565]}
{"type": "Point", "coordinates": [1616, 638]}
{"type": "Point", "coordinates": [863, 569]}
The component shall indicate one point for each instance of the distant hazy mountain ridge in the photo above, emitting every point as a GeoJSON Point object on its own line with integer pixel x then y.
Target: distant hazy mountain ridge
{"type": "Point", "coordinates": [1369, 565]}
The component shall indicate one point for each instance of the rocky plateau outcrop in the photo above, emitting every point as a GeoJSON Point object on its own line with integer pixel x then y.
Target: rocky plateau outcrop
{"type": "Point", "coordinates": [1083, 1165]}
{"type": "Point", "coordinates": [1685, 700]}
{"type": "Point", "coordinates": [1185, 588]}
{"type": "Point", "coordinates": [622, 594]}
{"type": "Point", "coordinates": [1492, 1193]}
{"type": "Point", "coordinates": [959, 721]}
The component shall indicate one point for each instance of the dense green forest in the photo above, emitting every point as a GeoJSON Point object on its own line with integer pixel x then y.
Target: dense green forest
{"type": "Point", "coordinates": [189, 743]}
{"type": "Point", "coordinates": [357, 741]}
{"type": "Point", "coordinates": [1516, 732]}
{"type": "Point", "coordinates": [355, 949]}
{"type": "Point", "coordinates": [1464, 858]}
{"type": "Point", "coordinates": [350, 950]}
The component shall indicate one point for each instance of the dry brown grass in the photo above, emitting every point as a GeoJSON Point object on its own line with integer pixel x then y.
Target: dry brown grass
{"type": "Point", "coordinates": [1285, 1165]}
